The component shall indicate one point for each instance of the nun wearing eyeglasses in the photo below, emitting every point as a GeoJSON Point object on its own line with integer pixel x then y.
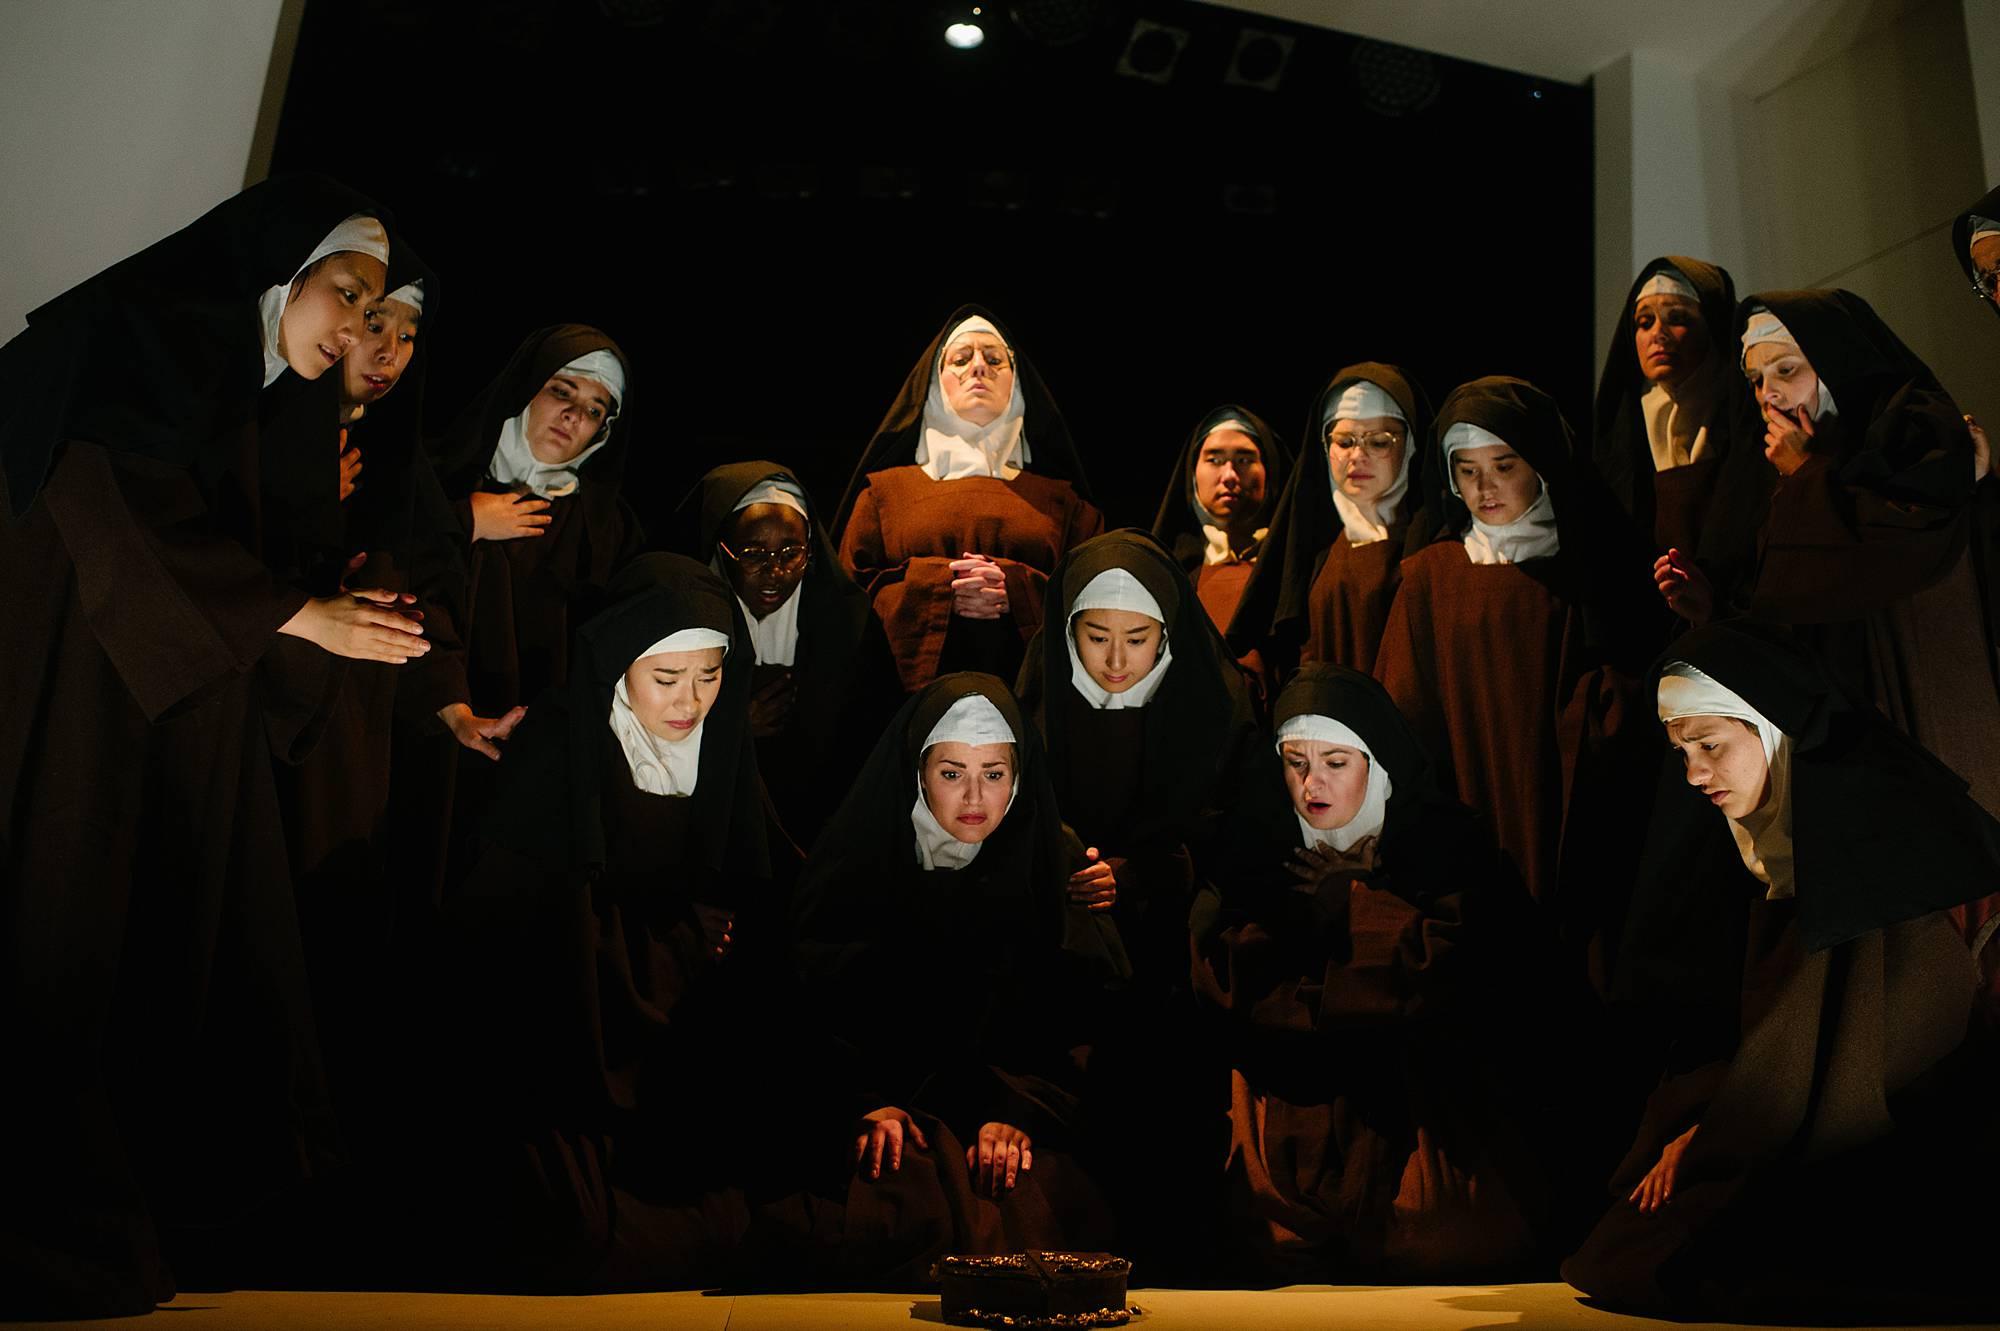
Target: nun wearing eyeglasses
{"type": "Point", "coordinates": [1343, 525]}
{"type": "Point", "coordinates": [963, 502]}
{"type": "Point", "coordinates": [1535, 569]}
{"type": "Point", "coordinates": [532, 469]}
{"type": "Point", "coordinates": [1813, 1158]}
{"type": "Point", "coordinates": [824, 682]}
{"type": "Point", "coordinates": [1371, 968]}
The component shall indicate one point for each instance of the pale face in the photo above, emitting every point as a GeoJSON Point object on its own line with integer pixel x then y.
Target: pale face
{"type": "Point", "coordinates": [1781, 377]}
{"type": "Point", "coordinates": [968, 786]}
{"type": "Point", "coordinates": [1328, 782]}
{"type": "Point", "coordinates": [1496, 483]}
{"type": "Point", "coordinates": [566, 416]}
{"type": "Point", "coordinates": [1669, 337]}
{"type": "Point", "coordinates": [1725, 761]}
{"type": "Point", "coordinates": [1361, 474]}
{"type": "Point", "coordinates": [977, 375]}
{"type": "Point", "coordinates": [1986, 259]}
{"type": "Point", "coordinates": [671, 692]}
{"type": "Point", "coordinates": [323, 315]}
{"type": "Point", "coordinates": [377, 361]}
{"type": "Point", "coordinates": [1229, 476]}
{"type": "Point", "coordinates": [1118, 648]}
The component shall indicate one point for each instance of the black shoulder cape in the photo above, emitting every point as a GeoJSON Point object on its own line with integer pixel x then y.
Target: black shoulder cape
{"type": "Point", "coordinates": [1619, 449]}
{"type": "Point", "coordinates": [1305, 523]}
{"type": "Point", "coordinates": [550, 805]}
{"type": "Point", "coordinates": [896, 438]}
{"type": "Point", "coordinates": [1196, 725]}
{"type": "Point", "coordinates": [162, 353]}
{"type": "Point", "coordinates": [1175, 525]}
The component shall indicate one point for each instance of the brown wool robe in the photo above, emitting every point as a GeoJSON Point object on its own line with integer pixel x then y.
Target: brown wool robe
{"type": "Point", "coordinates": [898, 530]}
{"type": "Point", "coordinates": [1350, 600]}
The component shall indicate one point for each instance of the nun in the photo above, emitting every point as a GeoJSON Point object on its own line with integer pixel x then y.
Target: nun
{"type": "Point", "coordinates": [153, 991]}
{"type": "Point", "coordinates": [531, 468]}
{"type": "Point", "coordinates": [1341, 530]}
{"type": "Point", "coordinates": [621, 939]}
{"type": "Point", "coordinates": [1215, 516]}
{"type": "Point", "coordinates": [1370, 970]}
{"type": "Point", "coordinates": [1510, 647]}
{"type": "Point", "coordinates": [967, 496]}
{"type": "Point", "coordinates": [825, 683]}
{"type": "Point", "coordinates": [1666, 405]}
{"type": "Point", "coordinates": [1811, 1159]}
{"type": "Point", "coordinates": [932, 941]}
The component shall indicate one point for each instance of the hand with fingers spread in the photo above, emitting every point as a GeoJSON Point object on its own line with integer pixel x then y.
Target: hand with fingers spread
{"type": "Point", "coordinates": [880, 1137]}
{"type": "Point", "coordinates": [479, 733]}
{"type": "Point", "coordinates": [978, 587]}
{"type": "Point", "coordinates": [508, 517]}
{"type": "Point", "coordinates": [1314, 864]}
{"type": "Point", "coordinates": [998, 1159]}
{"type": "Point", "coordinates": [1657, 1188]}
{"type": "Point", "coordinates": [350, 468]}
{"type": "Point", "coordinates": [1788, 436]}
{"type": "Point", "coordinates": [360, 625]}
{"type": "Point", "coordinates": [771, 706]}
{"type": "Point", "coordinates": [718, 927]}
{"type": "Point", "coordinates": [1686, 589]}
{"type": "Point", "coordinates": [1095, 885]}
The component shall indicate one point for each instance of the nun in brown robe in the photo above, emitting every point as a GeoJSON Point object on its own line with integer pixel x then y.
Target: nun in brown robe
{"type": "Point", "coordinates": [1370, 966]}
{"type": "Point", "coordinates": [535, 542]}
{"type": "Point", "coordinates": [1514, 642]}
{"type": "Point", "coordinates": [154, 1020]}
{"type": "Point", "coordinates": [1828, 1154]}
{"type": "Point", "coordinates": [1667, 403]}
{"type": "Point", "coordinates": [1344, 524]}
{"type": "Point", "coordinates": [1240, 464]}
{"type": "Point", "coordinates": [1147, 723]}
{"type": "Point", "coordinates": [953, 522]}
{"type": "Point", "coordinates": [825, 682]}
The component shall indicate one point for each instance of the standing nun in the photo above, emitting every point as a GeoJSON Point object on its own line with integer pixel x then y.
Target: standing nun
{"type": "Point", "coordinates": [967, 496]}
{"type": "Point", "coordinates": [1147, 724]}
{"type": "Point", "coordinates": [1510, 645]}
{"type": "Point", "coordinates": [532, 468]}
{"type": "Point", "coordinates": [1816, 1159]}
{"type": "Point", "coordinates": [931, 934]}
{"type": "Point", "coordinates": [1215, 517]}
{"type": "Point", "coordinates": [825, 682]}
{"type": "Point", "coordinates": [1342, 529]}
{"type": "Point", "coordinates": [152, 993]}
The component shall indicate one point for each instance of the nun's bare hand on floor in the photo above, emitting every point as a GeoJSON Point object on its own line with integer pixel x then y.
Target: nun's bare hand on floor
{"type": "Point", "coordinates": [978, 587]}
{"type": "Point", "coordinates": [507, 517]}
{"type": "Point", "coordinates": [1657, 1188]}
{"type": "Point", "coordinates": [350, 468]}
{"type": "Point", "coordinates": [880, 1137]}
{"type": "Point", "coordinates": [1095, 885]}
{"type": "Point", "coordinates": [478, 733]}
{"type": "Point", "coordinates": [998, 1158]}
{"type": "Point", "coordinates": [718, 928]}
{"type": "Point", "coordinates": [1685, 587]}
{"type": "Point", "coordinates": [357, 626]}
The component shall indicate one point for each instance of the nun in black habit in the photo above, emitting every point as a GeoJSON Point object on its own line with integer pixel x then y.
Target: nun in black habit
{"type": "Point", "coordinates": [1373, 963]}
{"type": "Point", "coordinates": [939, 956]}
{"type": "Point", "coordinates": [531, 468]}
{"type": "Point", "coordinates": [1215, 516]}
{"type": "Point", "coordinates": [1344, 524]}
{"type": "Point", "coordinates": [619, 974]}
{"type": "Point", "coordinates": [967, 496]}
{"type": "Point", "coordinates": [152, 996]}
{"type": "Point", "coordinates": [825, 682]}
{"type": "Point", "coordinates": [1829, 1153]}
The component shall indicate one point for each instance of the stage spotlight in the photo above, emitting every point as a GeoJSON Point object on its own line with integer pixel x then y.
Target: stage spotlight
{"type": "Point", "coordinates": [1393, 80]}
{"type": "Point", "coordinates": [1152, 51]}
{"type": "Point", "coordinates": [1056, 22]}
{"type": "Point", "coordinates": [964, 36]}
{"type": "Point", "coordinates": [1260, 59]}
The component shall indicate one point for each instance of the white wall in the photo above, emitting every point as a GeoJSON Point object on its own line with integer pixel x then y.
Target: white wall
{"type": "Point", "coordinates": [120, 121]}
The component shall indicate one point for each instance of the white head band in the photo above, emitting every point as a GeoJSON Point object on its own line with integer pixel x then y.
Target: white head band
{"type": "Point", "coordinates": [604, 367]}
{"type": "Point", "coordinates": [658, 766]}
{"type": "Point", "coordinates": [1313, 728]}
{"type": "Point", "coordinates": [1668, 280]}
{"type": "Point", "coordinates": [1764, 326]}
{"type": "Point", "coordinates": [973, 719]}
{"type": "Point", "coordinates": [1764, 836]}
{"type": "Point", "coordinates": [1117, 589]}
{"type": "Point", "coordinates": [1982, 226]}
{"type": "Point", "coordinates": [774, 490]}
{"type": "Point", "coordinates": [1360, 401]}
{"type": "Point", "coordinates": [410, 293]}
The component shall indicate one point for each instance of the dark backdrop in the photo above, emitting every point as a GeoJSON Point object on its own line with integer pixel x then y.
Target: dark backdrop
{"type": "Point", "coordinates": [774, 204]}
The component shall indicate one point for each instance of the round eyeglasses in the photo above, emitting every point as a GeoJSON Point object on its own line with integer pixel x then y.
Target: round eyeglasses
{"type": "Point", "coordinates": [785, 558]}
